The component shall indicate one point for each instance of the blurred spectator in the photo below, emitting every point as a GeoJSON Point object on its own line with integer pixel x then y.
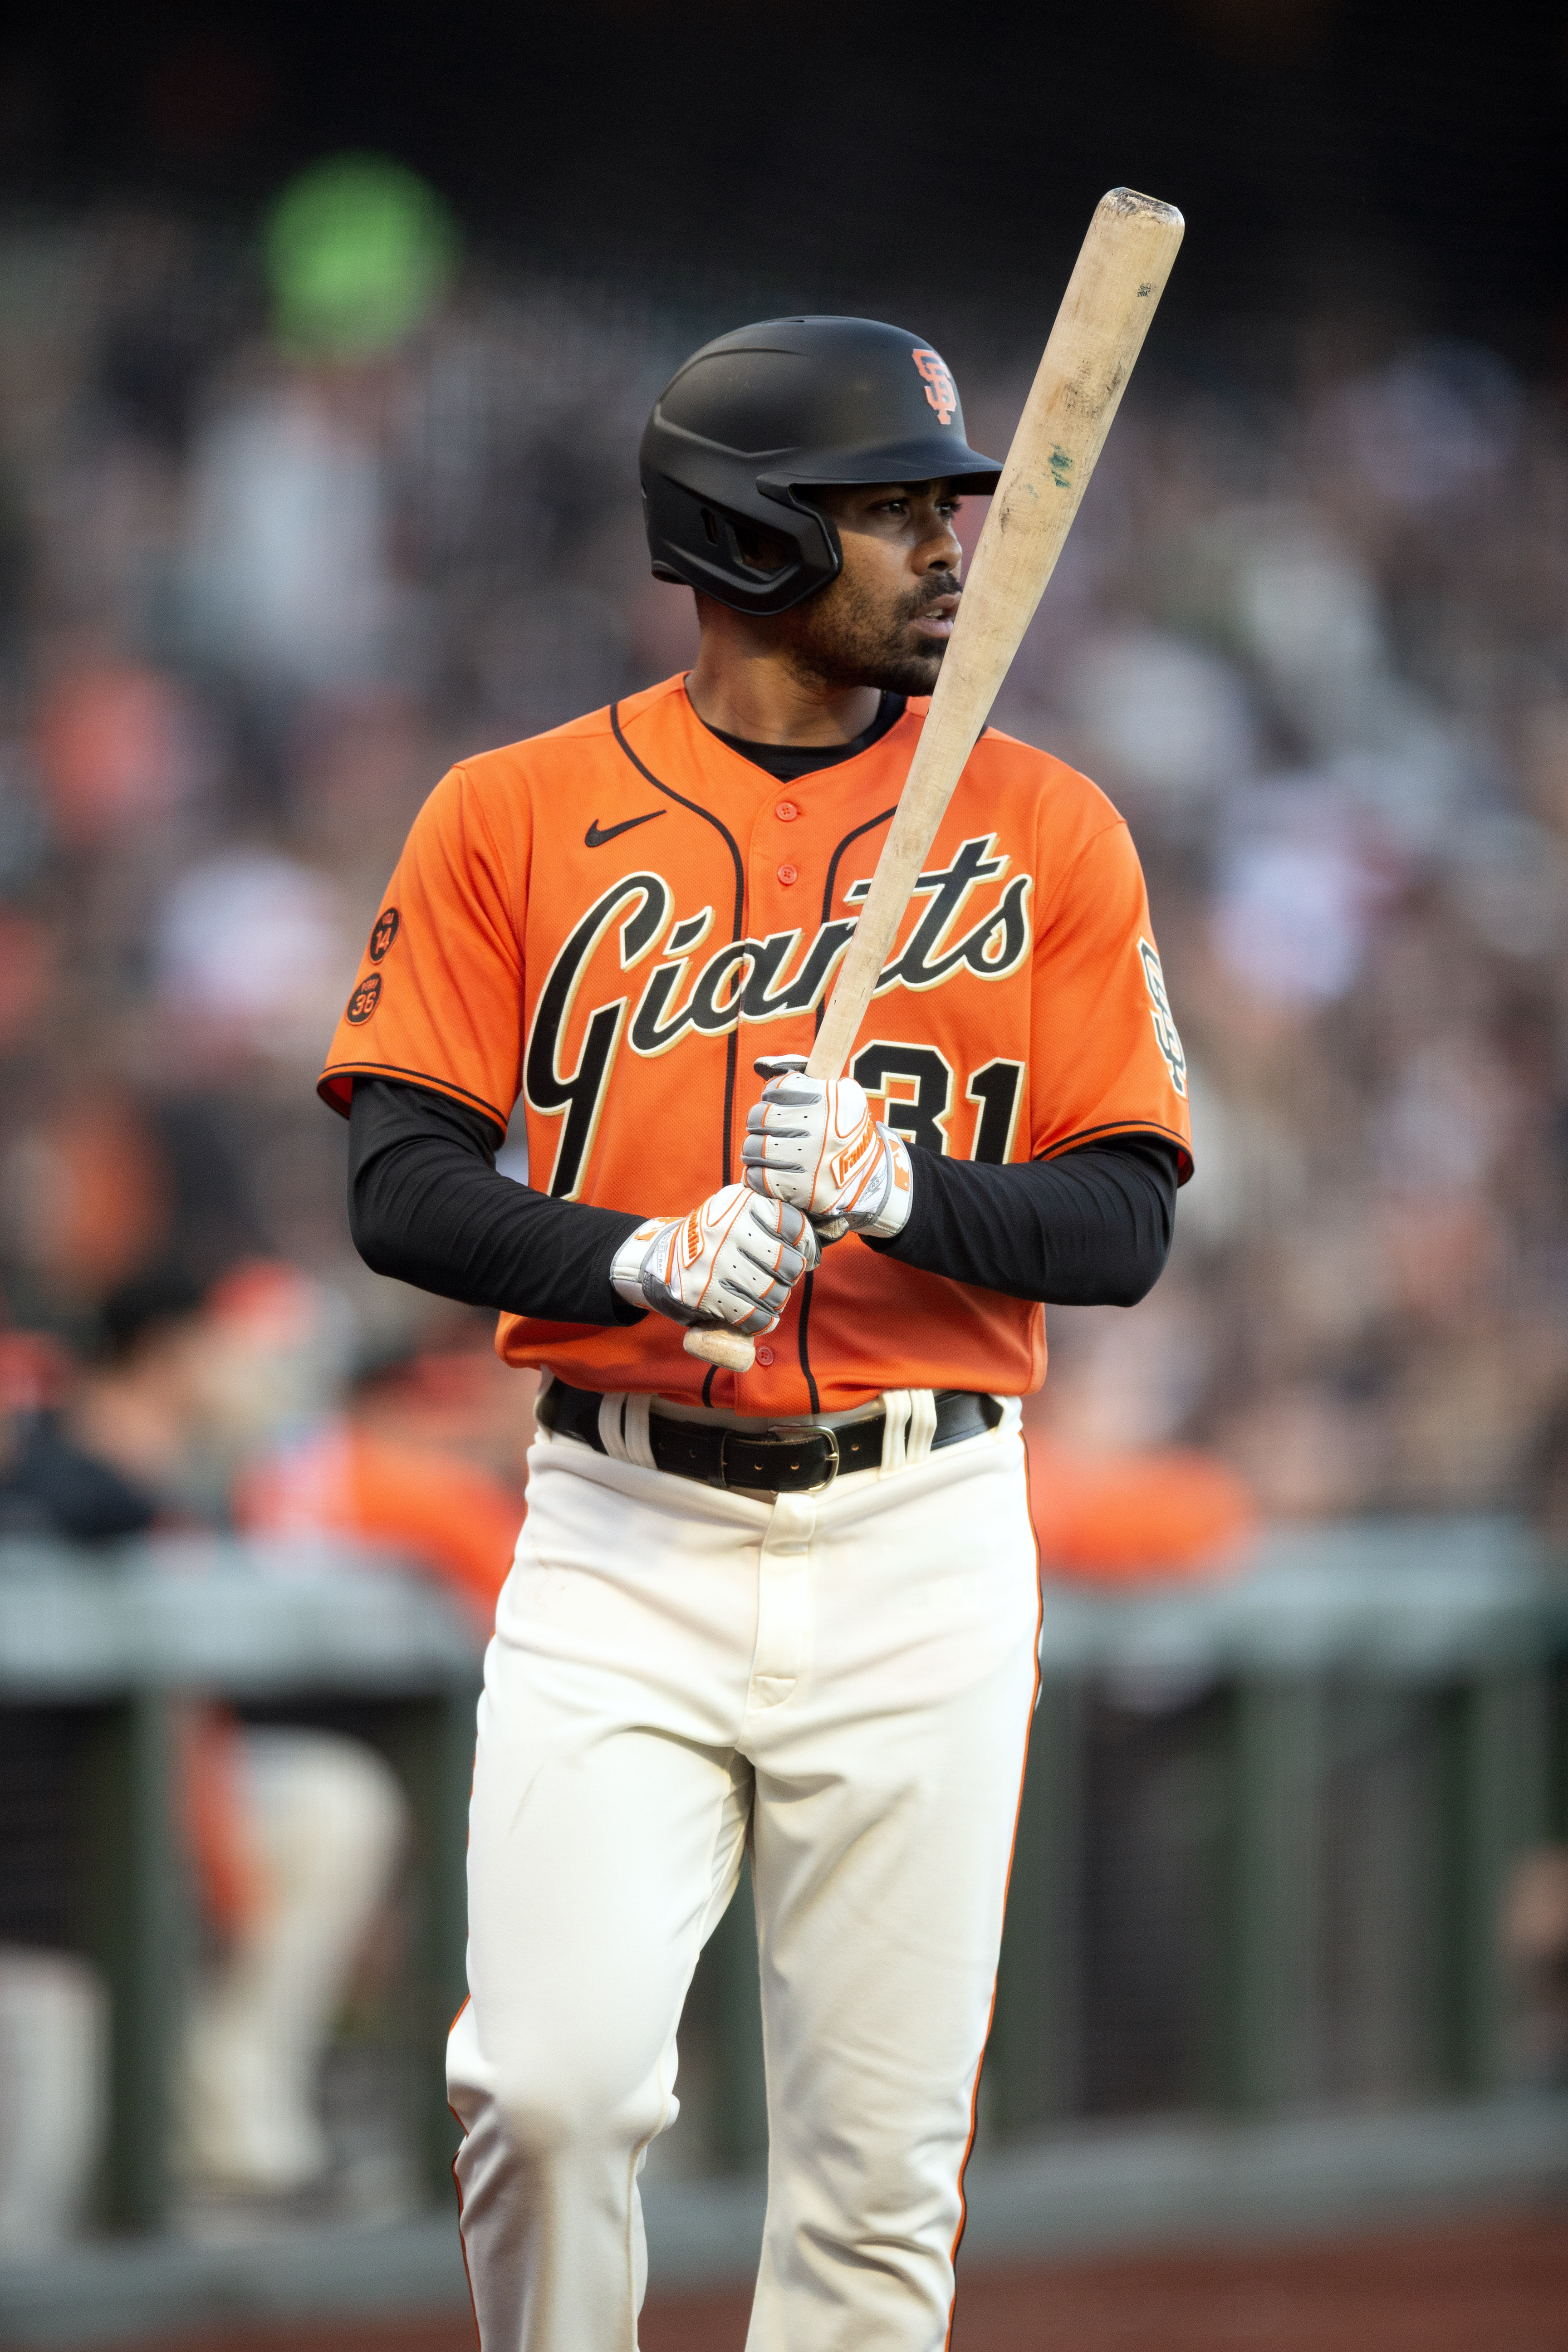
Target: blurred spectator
{"type": "Point", "coordinates": [1535, 1950]}
{"type": "Point", "coordinates": [1429, 427]}
{"type": "Point", "coordinates": [386, 1473]}
{"type": "Point", "coordinates": [1113, 1502]}
{"type": "Point", "coordinates": [54, 2024]}
{"type": "Point", "coordinates": [192, 1380]}
{"type": "Point", "coordinates": [317, 1824]}
{"type": "Point", "coordinates": [287, 579]}
{"type": "Point", "coordinates": [320, 1831]}
{"type": "Point", "coordinates": [1167, 717]}
{"type": "Point", "coordinates": [86, 1193]}
{"type": "Point", "coordinates": [54, 2065]}
{"type": "Point", "coordinates": [1126, 1518]}
{"type": "Point", "coordinates": [138, 1409]}
{"type": "Point", "coordinates": [1298, 892]}
{"type": "Point", "coordinates": [249, 954]}
{"type": "Point", "coordinates": [295, 1833]}
{"type": "Point", "coordinates": [49, 1484]}
{"type": "Point", "coordinates": [117, 745]}
{"type": "Point", "coordinates": [196, 1392]}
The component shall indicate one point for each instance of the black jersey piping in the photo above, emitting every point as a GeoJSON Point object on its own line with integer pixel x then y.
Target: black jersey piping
{"type": "Point", "coordinates": [732, 1043]}
{"type": "Point", "coordinates": [400, 1077]}
{"type": "Point", "coordinates": [1125, 1131]}
{"type": "Point", "coordinates": [870, 826]}
{"type": "Point", "coordinates": [804, 1351]}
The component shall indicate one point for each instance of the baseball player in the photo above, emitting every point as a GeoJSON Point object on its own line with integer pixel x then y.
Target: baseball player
{"type": "Point", "coordinates": [794, 1611]}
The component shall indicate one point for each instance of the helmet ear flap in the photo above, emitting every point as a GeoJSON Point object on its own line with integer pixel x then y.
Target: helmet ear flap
{"type": "Point", "coordinates": [762, 562]}
{"type": "Point", "coordinates": [788, 494]}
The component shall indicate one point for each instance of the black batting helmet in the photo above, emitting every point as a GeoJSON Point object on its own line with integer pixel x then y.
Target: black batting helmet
{"type": "Point", "coordinates": [742, 433]}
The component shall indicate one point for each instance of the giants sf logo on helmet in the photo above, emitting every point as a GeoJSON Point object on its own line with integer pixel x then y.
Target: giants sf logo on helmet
{"type": "Point", "coordinates": [940, 390]}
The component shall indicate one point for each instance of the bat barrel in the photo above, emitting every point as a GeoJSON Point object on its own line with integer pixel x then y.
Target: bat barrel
{"type": "Point", "coordinates": [1111, 295]}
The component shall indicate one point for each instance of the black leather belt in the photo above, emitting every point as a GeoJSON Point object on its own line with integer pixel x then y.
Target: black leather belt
{"type": "Point", "coordinates": [777, 1461]}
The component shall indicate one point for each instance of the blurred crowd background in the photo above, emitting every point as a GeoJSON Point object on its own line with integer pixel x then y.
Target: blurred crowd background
{"type": "Point", "coordinates": [318, 471]}
{"type": "Point", "coordinates": [289, 522]}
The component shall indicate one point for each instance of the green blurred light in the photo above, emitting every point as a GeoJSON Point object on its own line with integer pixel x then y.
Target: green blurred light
{"type": "Point", "coordinates": [359, 250]}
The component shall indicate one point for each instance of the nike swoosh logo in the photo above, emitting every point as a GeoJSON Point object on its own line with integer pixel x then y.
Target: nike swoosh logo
{"type": "Point", "coordinates": [594, 839]}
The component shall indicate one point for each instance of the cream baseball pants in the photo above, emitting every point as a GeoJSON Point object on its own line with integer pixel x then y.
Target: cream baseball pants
{"type": "Point", "coordinates": [842, 1680]}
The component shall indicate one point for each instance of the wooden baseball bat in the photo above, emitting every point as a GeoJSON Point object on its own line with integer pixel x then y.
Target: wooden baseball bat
{"type": "Point", "coordinates": [1119, 278]}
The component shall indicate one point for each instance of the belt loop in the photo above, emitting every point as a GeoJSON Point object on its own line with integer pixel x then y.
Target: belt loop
{"type": "Point", "coordinates": [922, 1426]}
{"type": "Point", "coordinates": [895, 1408]}
{"type": "Point", "coordinates": [635, 1431]}
{"type": "Point", "coordinates": [911, 1427]}
{"type": "Point", "coordinates": [612, 1424]}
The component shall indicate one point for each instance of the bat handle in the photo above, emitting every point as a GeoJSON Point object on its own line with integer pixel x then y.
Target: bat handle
{"type": "Point", "coordinates": [717, 1344]}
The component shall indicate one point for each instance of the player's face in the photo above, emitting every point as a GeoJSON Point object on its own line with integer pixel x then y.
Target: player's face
{"type": "Point", "coordinates": [887, 618]}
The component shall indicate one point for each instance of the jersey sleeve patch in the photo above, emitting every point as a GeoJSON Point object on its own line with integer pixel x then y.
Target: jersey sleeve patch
{"type": "Point", "coordinates": [363, 1001]}
{"type": "Point", "coordinates": [1165, 1033]}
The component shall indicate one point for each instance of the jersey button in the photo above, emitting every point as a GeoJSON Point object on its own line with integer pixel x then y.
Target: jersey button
{"type": "Point", "coordinates": [788, 811]}
{"type": "Point", "coordinates": [764, 1355]}
{"type": "Point", "coordinates": [788, 874]}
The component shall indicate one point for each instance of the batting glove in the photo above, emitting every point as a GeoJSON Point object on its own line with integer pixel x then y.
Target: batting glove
{"type": "Point", "coordinates": [813, 1143]}
{"type": "Point", "coordinates": [734, 1260]}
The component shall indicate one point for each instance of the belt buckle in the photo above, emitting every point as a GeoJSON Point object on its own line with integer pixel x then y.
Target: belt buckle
{"type": "Point", "coordinates": [776, 1435]}
{"type": "Point", "coordinates": [791, 1436]}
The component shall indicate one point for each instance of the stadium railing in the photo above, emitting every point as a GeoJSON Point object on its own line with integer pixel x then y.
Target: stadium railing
{"type": "Point", "coordinates": [1263, 1845]}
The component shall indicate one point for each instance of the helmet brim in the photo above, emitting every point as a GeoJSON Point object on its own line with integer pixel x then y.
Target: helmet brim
{"type": "Point", "coordinates": [886, 461]}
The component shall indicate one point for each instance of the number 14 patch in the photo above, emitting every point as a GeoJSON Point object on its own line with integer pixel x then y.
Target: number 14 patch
{"type": "Point", "coordinates": [1165, 1035]}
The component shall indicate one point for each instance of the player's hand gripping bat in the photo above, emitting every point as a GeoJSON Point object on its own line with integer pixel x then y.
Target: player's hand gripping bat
{"type": "Point", "coordinates": [1119, 277]}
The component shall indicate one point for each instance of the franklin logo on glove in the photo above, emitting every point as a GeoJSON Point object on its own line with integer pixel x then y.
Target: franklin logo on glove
{"type": "Point", "coordinates": [734, 1260]}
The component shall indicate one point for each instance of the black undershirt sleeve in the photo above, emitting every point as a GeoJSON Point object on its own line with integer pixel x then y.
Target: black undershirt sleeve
{"type": "Point", "coordinates": [1091, 1228]}
{"type": "Point", "coordinates": [427, 1204]}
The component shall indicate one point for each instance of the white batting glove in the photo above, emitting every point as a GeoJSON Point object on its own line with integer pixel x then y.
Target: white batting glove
{"type": "Point", "coordinates": [813, 1143]}
{"type": "Point", "coordinates": [734, 1260]}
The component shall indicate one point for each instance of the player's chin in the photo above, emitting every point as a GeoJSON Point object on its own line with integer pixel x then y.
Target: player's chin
{"type": "Point", "coordinates": [911, 667]}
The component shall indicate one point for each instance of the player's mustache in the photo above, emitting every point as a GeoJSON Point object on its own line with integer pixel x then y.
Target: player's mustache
{"type": "Point", "coordinates": [920, 600]}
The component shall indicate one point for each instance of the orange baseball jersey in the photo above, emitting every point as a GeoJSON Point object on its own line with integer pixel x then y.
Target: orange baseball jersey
{"type": "Point", "coordinates": [615, 918]}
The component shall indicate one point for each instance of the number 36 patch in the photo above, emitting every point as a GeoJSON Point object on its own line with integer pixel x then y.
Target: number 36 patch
{"type": "Point", "coordinates": [1165, 1035]}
